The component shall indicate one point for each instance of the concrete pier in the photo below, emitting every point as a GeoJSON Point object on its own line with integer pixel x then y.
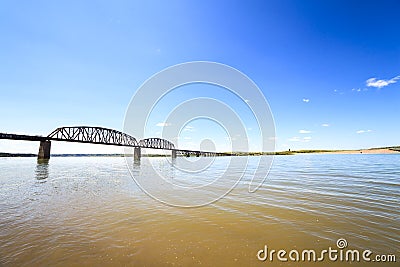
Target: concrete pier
{"type": "Point", "coordinates": [173, 154]}
{"type": "Point", "coordinates": [44, 150]}
{"type": "Point", "coordinates": [136, 153]}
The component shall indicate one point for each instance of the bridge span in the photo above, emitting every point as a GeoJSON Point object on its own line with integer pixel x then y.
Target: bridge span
{"type": "Point", "coordinates": [103, 136]}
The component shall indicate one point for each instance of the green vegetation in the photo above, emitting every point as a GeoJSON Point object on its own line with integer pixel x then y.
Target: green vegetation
{"type": "Point", "coordinates": [393, 148]}
{"type": "Point", "coordinates": [260, 153]}
{"type": "Point", "coordinates": [314, 151]}
{"type": "Point", "coordinates": [154, 155]}
{"type": "Point", "coordinates": [293, 152]}
{"type": "Point", "coordinates": [16, 155]}
{"type": "Point", "coordinates": [284, 153]}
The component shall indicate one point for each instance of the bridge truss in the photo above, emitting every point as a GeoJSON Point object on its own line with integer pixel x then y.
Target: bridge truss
{"type": "Point", "coordinates": [104, 136]}
{"type": "Point", "coordinates": [156, 143]}
{"type": "Point", "coordinates": [93, 135]}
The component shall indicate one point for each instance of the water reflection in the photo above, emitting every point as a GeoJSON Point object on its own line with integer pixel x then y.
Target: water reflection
{"type": "Point", "coordinates": [136, 167]}
{"type": "Point", "coordinates": [173, 161]}
{"type": "Point", "coordinates": [42, 170]}
{"type": "Point", "coordinates": [136, 161]}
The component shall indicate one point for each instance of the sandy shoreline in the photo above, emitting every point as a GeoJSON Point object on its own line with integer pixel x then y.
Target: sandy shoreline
{"type": "Point", "coordinates": [364, 151]}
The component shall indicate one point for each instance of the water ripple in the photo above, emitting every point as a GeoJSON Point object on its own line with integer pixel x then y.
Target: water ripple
{"type": "Point", "coordinates": [75, 211]}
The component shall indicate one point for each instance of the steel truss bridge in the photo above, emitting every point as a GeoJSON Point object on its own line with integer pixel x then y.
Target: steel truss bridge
{"type": "Point", "coordinates": [103, 136]}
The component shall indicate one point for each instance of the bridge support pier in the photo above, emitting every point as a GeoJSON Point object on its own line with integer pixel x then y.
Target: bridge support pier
{"type": "Point", "coordinates": [173, 154]}
{"type": "Point", "coordinates": [44, 150]}
{"type": "Point", "coordinates": [136, 153]}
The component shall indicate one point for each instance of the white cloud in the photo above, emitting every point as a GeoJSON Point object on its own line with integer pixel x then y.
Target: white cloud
{"type": "Point", "coordinates": [358, 90]}
{"type": "Point", "coordinates": [246, 100]}
{"type": "Point", "coordinates": [363, 131]}
{"type": "Point", "coordinates": [294, 139]}
{"type": "Point", "coordinates": [373, 82]}
{"type": "Point", "coordinates": [298, 139]}
{"type": "Point", "coordinates": [325, 125]}
{"type": "Point", "coordinates": [304, 131]}
{"type": "Point", "coordinates": [163, 124]}
{"type": "Point", "coordinates": [306, 100]}
{"type": "Point", "coordinates": [338, 92]}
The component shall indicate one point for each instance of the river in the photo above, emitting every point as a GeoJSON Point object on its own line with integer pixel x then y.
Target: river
{"type": "Point", "coordinates": [88, 211]}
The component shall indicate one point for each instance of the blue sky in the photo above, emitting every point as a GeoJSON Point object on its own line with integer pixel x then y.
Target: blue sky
{"type": "Point", "coordinates": [329, 69]}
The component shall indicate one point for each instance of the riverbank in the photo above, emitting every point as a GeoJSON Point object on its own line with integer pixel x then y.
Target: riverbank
{"type": "Point", "coordinates": [381, 150]}
{"type": "Point", "coordinates": [365, 151]}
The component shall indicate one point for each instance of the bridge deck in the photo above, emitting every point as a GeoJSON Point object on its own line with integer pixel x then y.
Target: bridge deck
{"type": "Point", "coordinates": [22, 137]}
{"type": "Point", "coordinates": [141, 144]}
